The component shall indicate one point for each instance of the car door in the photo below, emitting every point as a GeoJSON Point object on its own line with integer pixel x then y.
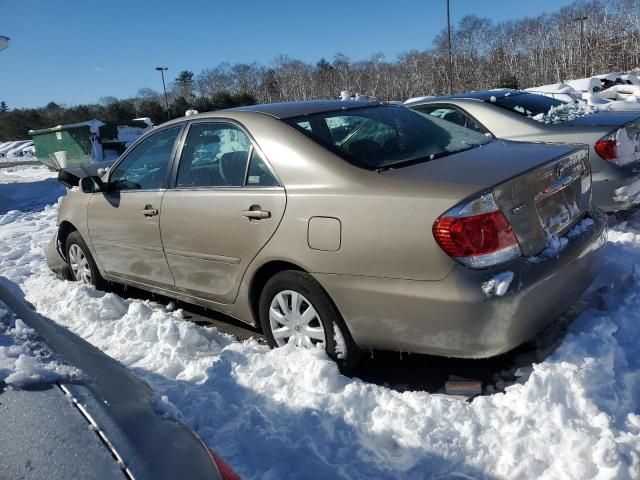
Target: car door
{"type": "Point", "coordinates": [124, 221]}
{"type": "Point", "coordinates": [224, 207]}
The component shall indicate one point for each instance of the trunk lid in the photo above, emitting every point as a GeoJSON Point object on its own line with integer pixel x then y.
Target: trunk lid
{"type": "Point", "coordinates": [603, 119]}
{"type": "Point", "coordinates": [542, 189]}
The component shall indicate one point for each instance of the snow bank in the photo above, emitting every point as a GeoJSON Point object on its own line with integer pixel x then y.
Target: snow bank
{"type": "Point", "coordinates": [559, 91]}
{"type": "Point", "coordinates": [591, 84]}
{"type": "Point", "coordinates": [289, 413]}
{"type": "Point", "coordinates": [24, 360]}
{"type": "Point", "coordinates": [625, 97]}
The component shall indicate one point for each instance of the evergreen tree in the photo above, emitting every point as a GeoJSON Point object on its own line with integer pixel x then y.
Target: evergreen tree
{"type": "Point", "coordinates": [4, 107]}
{"type": "Point", "coordinates": [184, 86]}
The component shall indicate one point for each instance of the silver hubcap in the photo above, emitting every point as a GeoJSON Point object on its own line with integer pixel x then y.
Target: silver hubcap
{"type": "Point", "coordinates": [79, 264]}
{"type": "Point", "coordinates": [292, 316]}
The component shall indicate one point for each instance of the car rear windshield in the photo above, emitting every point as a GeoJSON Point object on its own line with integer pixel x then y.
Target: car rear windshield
{"type": "Point", "coordinates": [386, 136]}
{"type": "Point", "coordinates": [527, 104]}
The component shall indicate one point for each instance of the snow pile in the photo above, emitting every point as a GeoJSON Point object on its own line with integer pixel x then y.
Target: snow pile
{"type": "Point", "coordinates": [565, 112]}
{"type": "Point", "coordinates": [498, 285]}
{"type": "Point", "coordinates": [620, 97]}
{"type": "Point", "coordinates": [627, 146]}
{"type": "Point", "coordinates": [559, 91]}
{"type": "Point", "coordinates": [347, 95]}
{"type": "Point", "coordinates": [556, 244]}
{"type": "Point", "coordinates": [629, 193]}
{"type": "Point", "coordinates": [24, 361]}
{"type": "Point", "coordinates": [628, 104]}
{"type": "Point", "coordinates": [16, 151]}
{"type": "Point", "coordinates": [128, 134]}
{"type": "Point", "coordinates": [590, 84]}
{"type": "Point", "coordinates": [341, 345]}
{"type": "Point", "coordinates": [289, 413]}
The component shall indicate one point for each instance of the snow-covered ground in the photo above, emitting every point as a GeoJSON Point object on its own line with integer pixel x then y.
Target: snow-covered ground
{"type": "Point", "coordinates": [24, 359]}
{"type": "Point", "coordinates": [279, 414]}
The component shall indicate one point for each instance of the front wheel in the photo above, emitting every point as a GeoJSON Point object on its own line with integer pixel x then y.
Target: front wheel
{"type": "Point", "coordinates": [81, 264]}
{"type": "Point", "coordinates": [294, 308]}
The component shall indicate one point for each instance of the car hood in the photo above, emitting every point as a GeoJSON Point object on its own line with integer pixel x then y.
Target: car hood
{"type": "Point", "coordinates": [603, 119]}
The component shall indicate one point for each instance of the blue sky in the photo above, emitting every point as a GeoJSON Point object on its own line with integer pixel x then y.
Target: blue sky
{"type": "Point", "coordinates": [75, 51]}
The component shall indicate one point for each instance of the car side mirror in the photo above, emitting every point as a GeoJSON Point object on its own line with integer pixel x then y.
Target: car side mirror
{"type": "Point", "coordinates": [91, 184]}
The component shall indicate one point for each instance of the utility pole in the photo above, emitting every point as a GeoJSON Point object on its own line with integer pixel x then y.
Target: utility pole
{"type": "Point", "coordinates": [450, 54]}
{"type": "Point", "coordinates": [164, 87]}
{"type": "Point", "coordinates": [582, 55]}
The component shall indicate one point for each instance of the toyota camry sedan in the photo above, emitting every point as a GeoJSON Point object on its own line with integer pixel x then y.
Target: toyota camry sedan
{"type": "Point", "coordinates": [613, 137]}
{"type": "Point", "coordinates": [343, 225]}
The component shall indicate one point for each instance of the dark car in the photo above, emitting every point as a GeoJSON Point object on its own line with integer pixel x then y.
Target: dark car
{"type": "Point", "coordinates": [109, 425]}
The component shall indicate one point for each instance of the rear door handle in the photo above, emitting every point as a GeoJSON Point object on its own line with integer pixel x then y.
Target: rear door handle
{"type": "Point", "coordinates": [149, 211]}
{"type": "Point", "coordinates": [256, 214]}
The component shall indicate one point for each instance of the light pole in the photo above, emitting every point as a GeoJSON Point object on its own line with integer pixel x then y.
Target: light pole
{"type": "Point", "coordinates": [4, 42]}
{"type": "Point", "coordinates": [164, 87]}
{"type": "Point", "coordinates": [450, 54]}
{"type": "Point", "coordinates": [584, 60]}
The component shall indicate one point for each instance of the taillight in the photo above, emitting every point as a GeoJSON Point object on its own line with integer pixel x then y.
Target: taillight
{"type": "Point", "coordinates": [226, 472]}
{"type": "Point", "coordinates": [622, 146]}
{"type": "Point", "coordinates": [606, 148]}
{"type": "Point", "coordinates": [477, 234]}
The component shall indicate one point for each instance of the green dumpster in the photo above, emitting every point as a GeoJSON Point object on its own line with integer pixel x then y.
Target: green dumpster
{"type": "Point", "coordinates": [82, 143]}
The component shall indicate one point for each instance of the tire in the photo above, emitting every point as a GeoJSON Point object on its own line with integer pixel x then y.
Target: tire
{"type": "Point", "coordinates": [282, 290]}
{"type": "Point", "coordinates": [79, 254]}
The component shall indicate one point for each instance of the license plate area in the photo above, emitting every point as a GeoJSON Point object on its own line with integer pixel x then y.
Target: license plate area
{"type": "Point", "coordinates": [558, 211]}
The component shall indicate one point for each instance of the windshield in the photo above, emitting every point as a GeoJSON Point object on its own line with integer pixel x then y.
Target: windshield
{"type": "Point", "coordinates": [386, 136]}
{"type": "Point", "coordinates": [527, 104]}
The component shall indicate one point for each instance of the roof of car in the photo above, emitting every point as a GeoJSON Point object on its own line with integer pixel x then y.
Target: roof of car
{"type": "Point", "coordinates": [295, 109]}
{"type": "Point", "coordinates": [483, 95]}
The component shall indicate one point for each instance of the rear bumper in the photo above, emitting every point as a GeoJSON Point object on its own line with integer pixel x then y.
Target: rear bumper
{"type": "Point", "coordinates": [611, 188]}
{"type": "Point", "coordinates": [453, 317]}
{"type": "Point", "coordinates": [56, 262]}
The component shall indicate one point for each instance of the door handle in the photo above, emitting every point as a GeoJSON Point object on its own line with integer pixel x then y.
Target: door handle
{"type": "Point", "coordinates": [256, 214]}
{"type": "Point", "coordinates": [149, 211]}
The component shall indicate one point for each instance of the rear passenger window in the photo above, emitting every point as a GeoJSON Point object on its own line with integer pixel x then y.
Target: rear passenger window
{"type": "Point", "coordinates": [214, 155]}
{"type": "Point", "coordinates": [453, 115]}
{"type": "Point", "coordinates": [259, 174]}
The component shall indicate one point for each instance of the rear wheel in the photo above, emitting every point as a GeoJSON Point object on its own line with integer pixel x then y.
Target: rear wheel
{"type": "Point", "coordinates": [81, 264]}
{"type": "Point", "coordinates": [295, 308]}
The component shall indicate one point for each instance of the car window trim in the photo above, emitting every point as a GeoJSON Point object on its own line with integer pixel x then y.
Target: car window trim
{"type": "Point", "coordinates": [173, 181]}
{"type": "Point", "coordinates": [134, 145]}
{"type": "Point", "coordinates": [455, 107]}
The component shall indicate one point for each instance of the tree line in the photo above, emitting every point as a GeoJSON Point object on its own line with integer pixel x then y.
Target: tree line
{"type": "Point", "coordinates": [518, 53]}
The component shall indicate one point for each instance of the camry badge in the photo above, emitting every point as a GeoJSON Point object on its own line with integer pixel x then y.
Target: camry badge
{"type": "Point", "coordinates": [560, 169]}
{"type": "Point", "coordinates": [517, 209]}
